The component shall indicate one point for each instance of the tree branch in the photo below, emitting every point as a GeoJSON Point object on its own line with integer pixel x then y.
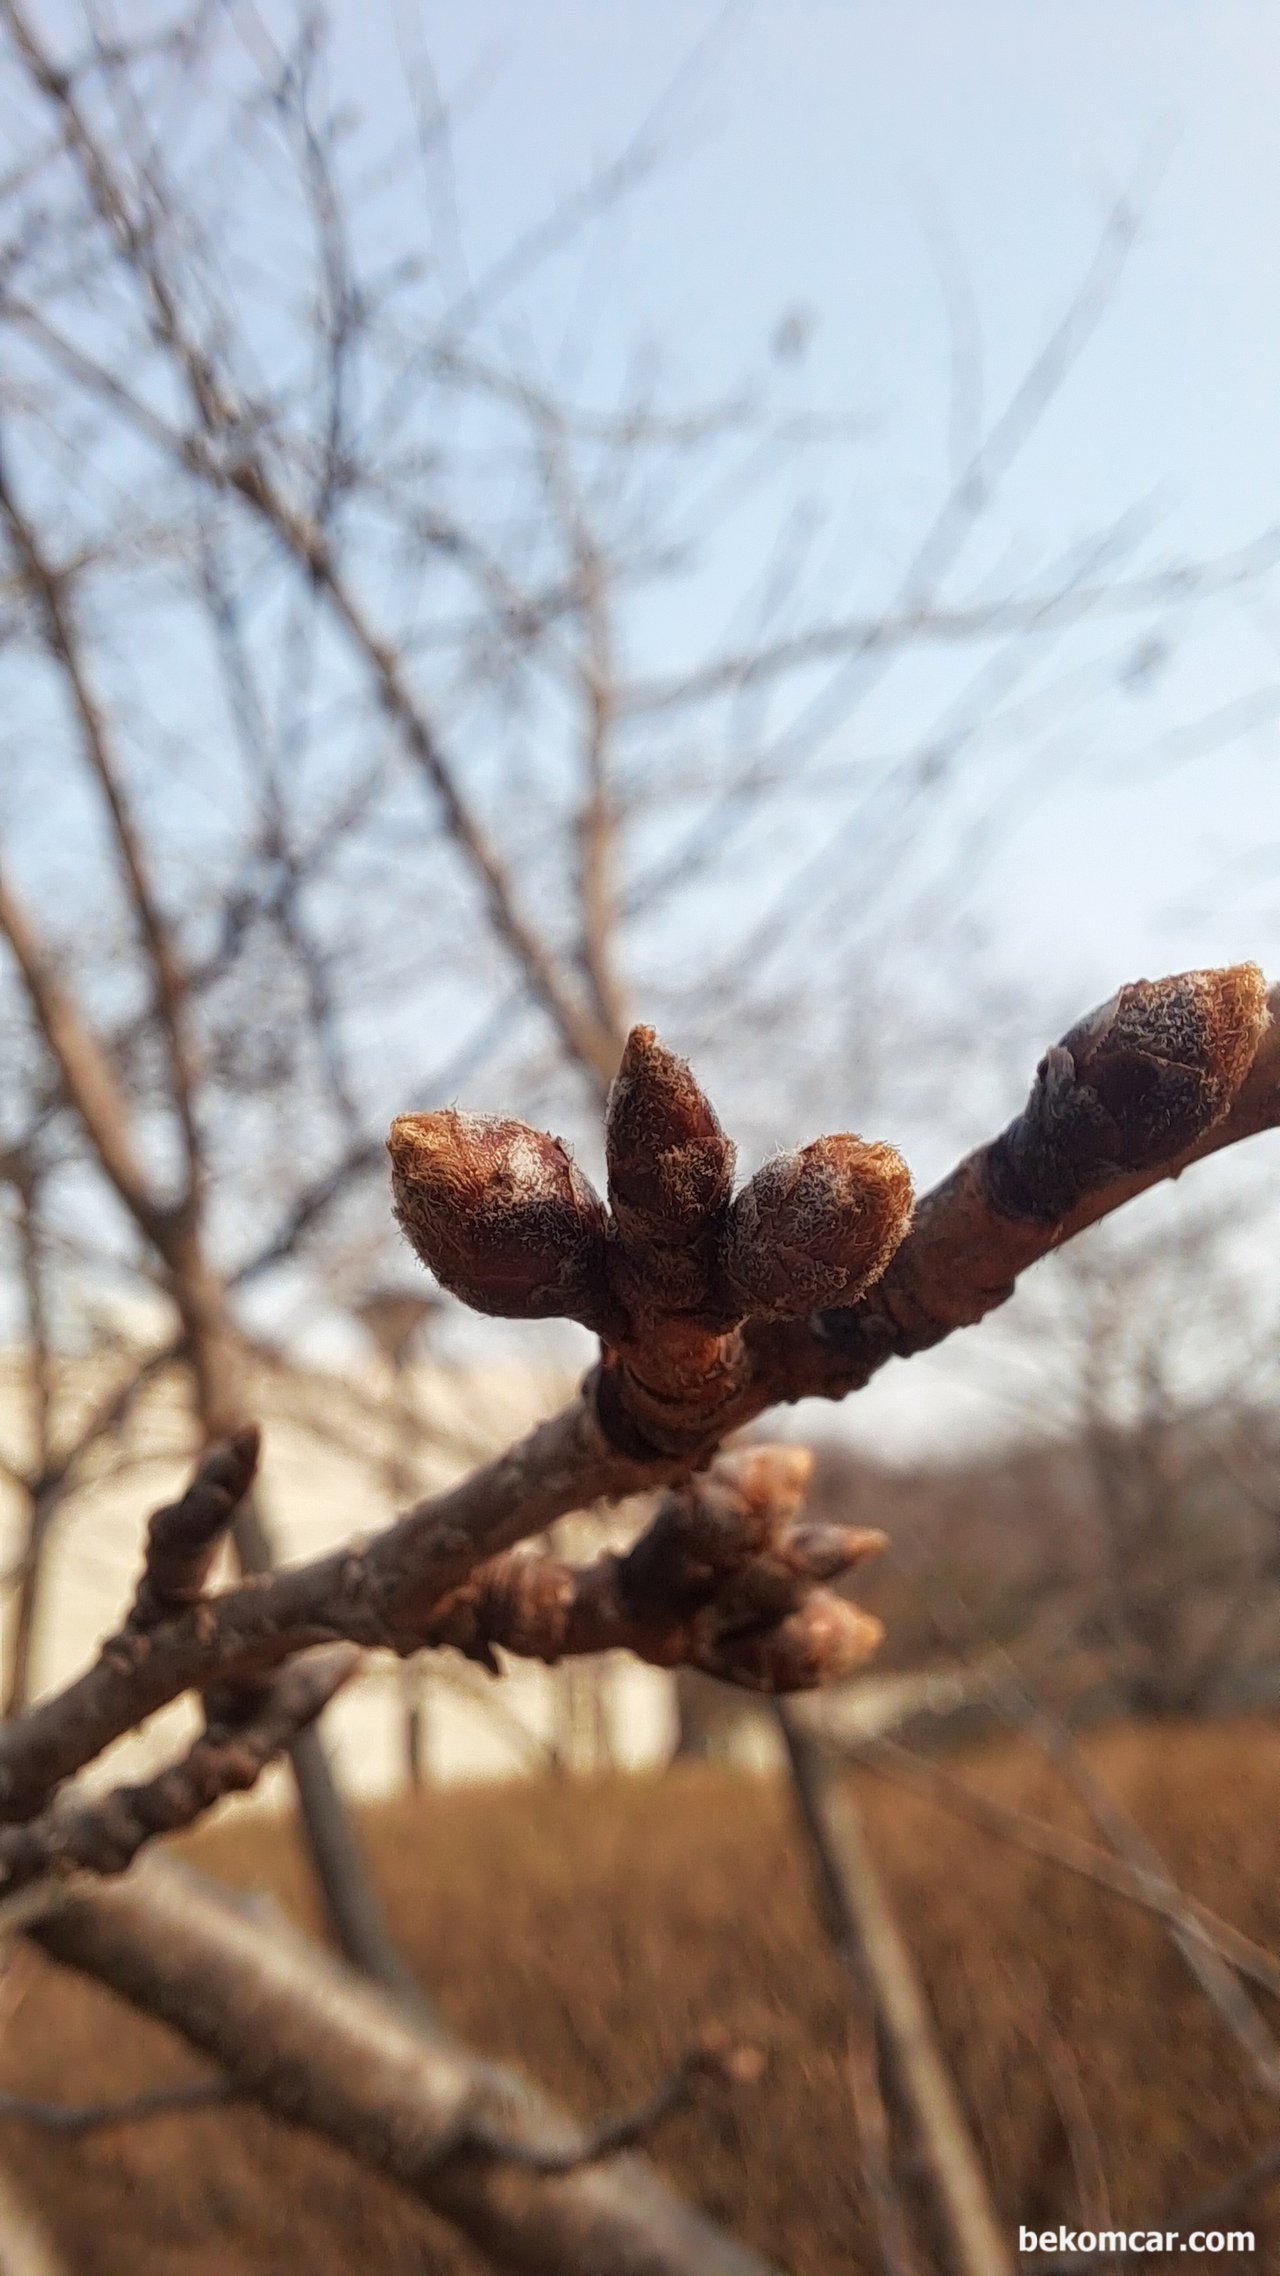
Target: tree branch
{"type": "Point", "coordinates": [1069, 1850]}
{"type": "Point", "coordinates": [724, 1577]}
{"type": "Point", "coordinates": [871, 1946]}
{"type": "Point", "coordinates": [87, 1077]}
{"type": "Point", "coordinates": [1167, 1072]}
{"type": "Point", "coordinates": [246, 1728]}
{"type": "Point", "coordinates": [47, 590]}
{"type": "Point", "coordinates": [299, 2034]}
{"type": "Point", "coordinates": [231, 460]}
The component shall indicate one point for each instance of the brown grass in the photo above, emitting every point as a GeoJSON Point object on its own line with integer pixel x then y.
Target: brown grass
{"type": "Point", "coordinates": [587, 1931]}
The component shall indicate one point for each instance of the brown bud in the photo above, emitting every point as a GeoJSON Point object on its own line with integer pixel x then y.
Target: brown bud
{"type": "Point", "coordinates": [824, 1640]}
{"type": "Point", "coordinates": [670, 1164]}
{"type": "Point", "coordinates": [824, 1552]}
{"type": "Point", "coordinates": [1129, 1087]}
{"type": "Point", "coordinates": [816, 1227]}
{"type": "Point", "coordinates": [501, 1214]}
{"type": "Point", "coordinates": [774, 1473]}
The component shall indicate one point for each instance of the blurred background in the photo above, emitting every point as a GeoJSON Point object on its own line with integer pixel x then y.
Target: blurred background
{"type": "Point", "coordinates": [799, 503]}
{"type": "Point", "coordinates": [763, 520]}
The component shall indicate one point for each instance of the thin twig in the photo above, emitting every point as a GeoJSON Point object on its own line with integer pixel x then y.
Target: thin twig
{"type": "Point", "coordinates": [1060, 1847]}
{"type": "Point", "coordinates": [1218, 1981]}
{"type": "Point", "coordinates": [74, 2120]}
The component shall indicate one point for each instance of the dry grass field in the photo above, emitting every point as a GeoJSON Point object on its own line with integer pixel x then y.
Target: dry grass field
{"type": "Point", "coordinates": [586, 1931]}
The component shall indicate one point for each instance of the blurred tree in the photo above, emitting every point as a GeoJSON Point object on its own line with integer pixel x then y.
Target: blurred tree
{"type": "Point", "coordinates": [364, 733]}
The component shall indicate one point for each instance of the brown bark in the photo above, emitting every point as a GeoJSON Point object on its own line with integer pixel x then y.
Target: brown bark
{"type": "Point", "coordinates": [245, 1728]}
{"type": "Point", "coordinates": [211, 1346]}
{"type": "Point", "coordinates": [318, 2047]}
{"type": "Point", "coordinates": [726, 1577]}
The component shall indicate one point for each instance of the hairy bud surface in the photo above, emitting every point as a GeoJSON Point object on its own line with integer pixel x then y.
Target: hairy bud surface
{"type": "Point", "coordinates": [500, 1213]}
{"type": "Point", "coordinates": [815, 1228]}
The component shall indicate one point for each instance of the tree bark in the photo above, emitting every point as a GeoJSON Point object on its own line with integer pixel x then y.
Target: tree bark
{"type": "Point", "coordinates": [319, 2047]}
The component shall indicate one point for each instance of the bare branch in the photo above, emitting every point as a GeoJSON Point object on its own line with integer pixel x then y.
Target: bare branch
{"type": "Point", "coordinates": [74, 2120]}
{"type": "Point", "coordinates": [312, 2043]}
{"type": "Point", "coordinates": [725, 1577]}
{"type": "Point", "coordinates": [871, 1945]}
{"type": "Point", "coordinates": [183, 1539]}
{"type": "Point", "coordinates": [713, 2060]}
{"type": "Point", "coordinates": [51, 598]}
{"type": "Point", "coordinates": [86, 1073]}
{"type": "Point", "coordinates": [1071, 1851]}
{"type": "Point", "coordinates": [1218, 1981]}
{"type": "Point", "coordinates": [229, 460]}
{"type": "Point", "coordinates": [247, 1728]}
{"type": "Point", "coordinates": [1163, 1075]}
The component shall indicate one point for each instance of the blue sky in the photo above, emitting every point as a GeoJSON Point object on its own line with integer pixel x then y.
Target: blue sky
{"type": "Point", "coordinates": [904, 176]}
{"type": "Point", "coordinates": [907, 177]}
{"type": "Point", "coordinates": [915, 191]}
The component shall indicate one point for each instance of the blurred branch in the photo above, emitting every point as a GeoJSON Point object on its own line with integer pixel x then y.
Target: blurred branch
{"type": "Point", "coordinates": [310, 2042]}
{"type": "Point", "coordinates": [73, 2120]}
{"type": "Point", "coordinates": [51, 598]}
{"type": "Point", "coordinates": [1206, 2212]}
{"type": "Point", "coordinates": [1217, 1980]}
{"type": "Point", "coordinates": [246, 1727]}
{"type": "Point", "coordinates": [724, 1577]}
{"type": "Point", "coordinates": [715, 2060]}
{"type": "Point", "coordinates": [1058, 1846]}
{"type": "Point", "coordinates": [860, 1918]}
{"type": "Point", "coordinates": [224, 455]}
{"type": "Point", "coordinates": [86, 1072]}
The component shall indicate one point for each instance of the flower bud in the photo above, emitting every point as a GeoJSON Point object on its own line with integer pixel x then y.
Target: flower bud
{"type": "Point", "coordinates": [824, 1640]}
{"type": "Point", "coordinates": [815, 1228]}
{"type": "Point", "coordinates": [501, 1214]}
{"type": "Point", "coordinates": [771, 1478]}
{"type": "Point", "coordinates": [826, 1552]}
{"type": "Point", "coordinates": [670, 1163]}
{"type": "Point", "coordinates": [1130, 1086]}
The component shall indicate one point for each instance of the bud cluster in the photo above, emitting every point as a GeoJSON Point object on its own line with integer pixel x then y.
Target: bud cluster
{"type": "Point", "coordinates": [727, 1578]}
{"type": "Point", "coordinates": [506, 1220]}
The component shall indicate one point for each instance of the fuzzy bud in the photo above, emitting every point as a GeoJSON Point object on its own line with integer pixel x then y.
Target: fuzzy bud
{"type": "Point", "coordinates": [827, 1552]}
{"type": "Point", "coordinates": [670, 1163]}
{"type": "Point", "coordinates": [501, 1214]}
{"type": "Point", "coordinates": [772, 1477]}
{"type": "Point", "coordinates": [815, 1228]}
{"type": "Point", "coordinates": [1129, 1087]}
{"type": "Point", "coordinates": [824, 1640]}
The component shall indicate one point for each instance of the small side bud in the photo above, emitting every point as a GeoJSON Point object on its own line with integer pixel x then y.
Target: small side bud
{"type": "Point", "coordinates": [1131, 1086]}
{"type": "Point", "coordinates": [772, 1478]}
{"type": "Point", "coordinates": [817, 1227]}
{"type": "Point", "coordinates": [824, 1640]}
{"type": "Point", "coordinates": [670, 1163]}
{"type": "Point", "coordinates": [183, 1538]}
{"type": "Point", "coordinates": [827, 1552]}
{"type": "Point", "coordinates": [501, 1214]}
